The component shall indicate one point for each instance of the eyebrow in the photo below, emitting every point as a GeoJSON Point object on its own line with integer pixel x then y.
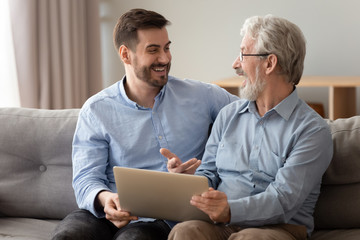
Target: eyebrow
{"type": "Point", "coordinates": [157, 45]}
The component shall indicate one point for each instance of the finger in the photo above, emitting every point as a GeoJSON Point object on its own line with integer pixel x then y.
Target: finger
{"type": "Point", "coordinates": [120, 216]}
{"type": "Point", "coordinates": [167, 153]}
{"type": "Point", "coordinates": [214, 194]}
{"type": "Point", "coordinates": [117, 203]}
{"type": "Point", "coordinates": [120, 224]}
{"type": "Point", "coordinates": [172, 163]}
{"type": "Point", "coordinates": [200, 204]}
{"type": "Point", "coordinates": [192, 163]}
{"type": "Point", "coordinates": [192, 168]}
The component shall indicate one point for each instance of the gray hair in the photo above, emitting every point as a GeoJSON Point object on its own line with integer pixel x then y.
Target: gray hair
{"type": "Point", "coordinates": [281, 37]}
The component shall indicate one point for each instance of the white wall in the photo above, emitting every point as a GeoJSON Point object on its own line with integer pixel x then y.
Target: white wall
{"type": "Point", "coordinates": [205, 36]}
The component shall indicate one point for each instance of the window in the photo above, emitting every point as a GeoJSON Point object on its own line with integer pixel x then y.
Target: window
{"type": "Point", "coordinates": [9, 91]}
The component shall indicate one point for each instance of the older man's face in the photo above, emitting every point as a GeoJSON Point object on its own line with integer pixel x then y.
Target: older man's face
{"type": "Point", "coordinates": [253, 85]}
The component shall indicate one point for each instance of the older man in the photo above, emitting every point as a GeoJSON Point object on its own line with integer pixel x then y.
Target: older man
{"type": "Point", "coordinates": [266, 154]}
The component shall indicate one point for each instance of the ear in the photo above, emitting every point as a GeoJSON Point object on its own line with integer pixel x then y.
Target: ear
{"type": "Point", "coordinates": [124, 53]}
{"type": "Point", "coordinates": [271, 63]}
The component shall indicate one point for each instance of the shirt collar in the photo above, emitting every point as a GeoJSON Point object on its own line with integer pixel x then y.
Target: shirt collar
{"type": "Point", "coordinates": [133, 104]}
{"type": "Point", "coordinates": [124, 95]}
{"type": "Point", "coordinates": [284, 108]}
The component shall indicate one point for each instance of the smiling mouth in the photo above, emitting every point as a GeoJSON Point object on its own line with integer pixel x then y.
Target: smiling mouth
{"type": "Point", "coordinates": [159, 69]}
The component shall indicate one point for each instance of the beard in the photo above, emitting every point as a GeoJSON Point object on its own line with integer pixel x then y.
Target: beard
{"type": "Point", "coordinates": [251, 91]}
{"type": "Point", "coordinates": [144, 73]}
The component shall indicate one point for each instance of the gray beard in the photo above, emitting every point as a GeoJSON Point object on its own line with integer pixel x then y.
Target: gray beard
{"type": "Point", "coordinates": [251, 91]}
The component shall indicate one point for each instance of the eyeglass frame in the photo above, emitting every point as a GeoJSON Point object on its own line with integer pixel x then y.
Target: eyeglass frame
{"type": "Point", "coordinates": [241, 55]}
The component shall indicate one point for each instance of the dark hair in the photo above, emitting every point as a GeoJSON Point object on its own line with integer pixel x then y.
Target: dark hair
{"type": "Point", "coordinates": [125, 31]}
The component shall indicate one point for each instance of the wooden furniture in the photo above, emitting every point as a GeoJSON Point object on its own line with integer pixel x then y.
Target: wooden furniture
{"type": "Point", "coordinates": [342, 91]}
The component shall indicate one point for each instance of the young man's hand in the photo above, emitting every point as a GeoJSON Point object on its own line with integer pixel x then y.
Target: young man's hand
{"type": "Point", "coordinates": [112, 209]}
{"type": "Point", "coordinates": [175, 165]}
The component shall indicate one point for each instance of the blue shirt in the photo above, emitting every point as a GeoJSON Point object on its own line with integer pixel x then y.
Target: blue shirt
{"type": "Point", "coordinates": [113, 131]}
{"type": "Point", "coordinates": [270, 167]}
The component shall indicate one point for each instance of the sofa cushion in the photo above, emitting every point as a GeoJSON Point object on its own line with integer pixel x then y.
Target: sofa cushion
{"type": "Point", "coordinates": [339, 200]}
{"type": "Point", "coordinates": [26, 228]}
{"type": "Point", "coordinates": [35, 162]}
{"type": "Point", "coordinates": [345, 165]}
{"type": "Point", "coordinates": [336, 234]}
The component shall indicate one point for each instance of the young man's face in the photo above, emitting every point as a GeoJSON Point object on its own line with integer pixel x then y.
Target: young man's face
{"type": "Point", "coordinates": [152, 59]}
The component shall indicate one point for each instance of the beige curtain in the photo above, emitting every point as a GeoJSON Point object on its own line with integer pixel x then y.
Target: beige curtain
{"type": "Point", "coordinates": [57, 51]}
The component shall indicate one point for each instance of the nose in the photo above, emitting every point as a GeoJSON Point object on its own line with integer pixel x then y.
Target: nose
{"type": "Point", "coordinates": [164, 57]}
{"type": "Point", "coordinates": [236, 64]}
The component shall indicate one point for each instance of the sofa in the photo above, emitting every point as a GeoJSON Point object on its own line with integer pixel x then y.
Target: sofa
{"type": "Point", "coordinates": [36, 174]}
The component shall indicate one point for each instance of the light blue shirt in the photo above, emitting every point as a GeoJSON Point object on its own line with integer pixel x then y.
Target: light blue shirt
{"type": "Point", "coordinates": [113, 131]}
{"type": "Point", "coordinates": [270, 167]}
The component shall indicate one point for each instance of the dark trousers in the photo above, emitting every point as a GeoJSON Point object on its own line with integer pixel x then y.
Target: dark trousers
{"type": "Point", "coordinates": [81, 224]}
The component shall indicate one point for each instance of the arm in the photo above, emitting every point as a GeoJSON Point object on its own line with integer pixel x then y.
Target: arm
{"type": "Point", "coordinates": [90, 159]}
{"type": "Point", "coordinates": [293, 193]}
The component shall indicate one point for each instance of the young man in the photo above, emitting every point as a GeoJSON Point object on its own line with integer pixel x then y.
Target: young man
{"type": "Point", "coordinates": [126, 124]}
{"type": "Point", "coordinates": [266, 155]}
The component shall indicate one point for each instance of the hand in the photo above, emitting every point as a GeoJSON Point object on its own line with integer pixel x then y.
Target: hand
{"type": "Point", "coordinates": [175, 165]}
{"type": "Point", "coordinates": [112, 209]}
{"type": "Point", "coordinates": [214, 203]}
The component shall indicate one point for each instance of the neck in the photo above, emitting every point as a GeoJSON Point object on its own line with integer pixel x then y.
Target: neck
{"type": "Point", "coordinates": [274, 93]}
{"type": "Point", "coordinates": [140, 92]}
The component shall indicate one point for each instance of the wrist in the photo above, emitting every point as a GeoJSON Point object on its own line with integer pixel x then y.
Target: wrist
{"type": "Point", "coordinates": [101, 198]}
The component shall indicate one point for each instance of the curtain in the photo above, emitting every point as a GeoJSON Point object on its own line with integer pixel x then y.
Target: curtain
{"type": "Point", "coordinates": [57, 51]}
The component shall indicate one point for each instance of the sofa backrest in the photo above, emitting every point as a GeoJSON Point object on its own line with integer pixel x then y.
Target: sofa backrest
{"type": "Point", "coordinates": [35, 162]}
{"type": "Point", "coordinates": [36, 168]}
{"type": "Point", "coordinates": [339, 201]}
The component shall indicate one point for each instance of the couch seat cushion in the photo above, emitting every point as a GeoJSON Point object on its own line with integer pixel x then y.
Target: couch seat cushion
{"type": "Point", "coordinates": [341, 234]}
{"type": "Point", "coordinates": [26, 228]}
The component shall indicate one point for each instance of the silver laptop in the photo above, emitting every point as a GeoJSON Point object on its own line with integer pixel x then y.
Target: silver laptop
{"type": "Point", "coordinates": [159, 195]}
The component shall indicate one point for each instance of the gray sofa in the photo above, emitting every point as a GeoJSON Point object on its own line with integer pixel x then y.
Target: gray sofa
{"type": "Point", "coordinates": [36, 173]}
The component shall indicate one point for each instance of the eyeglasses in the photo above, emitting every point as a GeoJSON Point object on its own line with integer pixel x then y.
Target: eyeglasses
{"type": "Point", "coordinates": [241, 56]}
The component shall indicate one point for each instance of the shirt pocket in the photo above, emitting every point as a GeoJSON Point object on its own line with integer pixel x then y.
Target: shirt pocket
{"type": "Point", "coordinates": [230, 157]}
{"type": "Point", "coordinates": [271, 164]}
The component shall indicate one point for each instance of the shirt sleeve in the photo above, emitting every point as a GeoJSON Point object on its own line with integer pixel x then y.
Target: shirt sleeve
{"type": "Point", "coordinates": [294, 182]}
{"type": "Point", "coordinates": [208, 166]}
{"type": "Point", "coordinates": [90, 157]}
{"type": "Point", "coordinates": [218, 98]}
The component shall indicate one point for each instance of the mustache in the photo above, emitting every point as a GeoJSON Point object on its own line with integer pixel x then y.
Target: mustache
{"type": "Point", "coordinates": [240, 72]}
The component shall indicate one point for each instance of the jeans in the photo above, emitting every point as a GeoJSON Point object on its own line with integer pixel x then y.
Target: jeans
{"type": "Point", "coordinates": [81, 224]}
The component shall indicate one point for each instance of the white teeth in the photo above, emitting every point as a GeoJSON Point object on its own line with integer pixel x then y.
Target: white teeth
{"type": "Point", "coordinates": [159, 69]}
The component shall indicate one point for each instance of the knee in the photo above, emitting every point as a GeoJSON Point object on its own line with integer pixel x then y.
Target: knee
{"type": "Point", "coordinates": [186, 230]}
{"type": "Point", "coordinates": [131, 234]}
{"type": "Point", "coordinates": [246, 234]}
{"type": "Point", "coordinates": [81, 224]}
{"type": "Point", "coordinates": [63, 235]}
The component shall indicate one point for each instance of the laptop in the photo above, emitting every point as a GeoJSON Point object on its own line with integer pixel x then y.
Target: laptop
{"type": "Point", "coordinates": [159, 195]}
